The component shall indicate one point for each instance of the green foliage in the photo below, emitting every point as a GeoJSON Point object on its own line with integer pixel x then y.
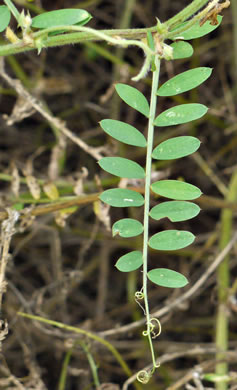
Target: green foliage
{"type": "Point", "coordinates": [123, 132]}
{"type": "Point", "coordinates": [130, 262]}
{"type": "Point", "coordinates": [120, 197]}
{"type": "Point", "coordinates": [179, 209]}
{"type": "Point", "coordinates": [171, 240]}
{"type": "Point", "coordinates": [180, 114]}
{"type": "Point", "coordinates": [196, 31]}
{"type": "Point", "coordinates": [175, 210]}
{"type": "Point", "coordinates": [181, 27]}
{"type": "Point", "coordinates": [176, 147]}
{"type": "Point", "coordinates": [5, 16]}
{"type": "Point", "coordinates": [127, 227]}
{"type": "Point", "coordinates": [122, 167]}
{"type": "Point", "coordinates": [167, 278]}
{"type": "Point", "coordinates": [174, 189]}
{"type": "Point", "coordinates": [184, 81]}
{"type": "Point", "coordinates": [133, 98]}
{"type": "Point", "coordinates": [181, 49]}
{"type": "Point", "coordinates": [61, 17]}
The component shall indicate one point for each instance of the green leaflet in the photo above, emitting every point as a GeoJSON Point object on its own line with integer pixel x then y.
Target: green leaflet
{"type": "Point", "coordinates": [129, 262]}
{"type": "Point", "coordinates": [61, 17]}
{"type": "Point", "coordinates": [215, 378]}
{"type": "Point", "coordinates": [133, 98]}
{"type": "Point", "coordinates": [127, 227]}
{"type": "Point", "coordinates": [167, 278]}
{"type": "Point", "coordinates": [180, 114]}
{"type": "Point", "coordinates": [120, 197]}
{"type": "Point", "coordinates": [170, 240]}
{"type": "Point", "coordinates": [122, 167]}
{"type": "Point", "coordinates": [197, 31]}
{"type": "Point", "coordinates": [184, 81]}
{"type": "Point", "coordinates": [181, 49]}
{"type": "Point", "coordinates": [175, 189]}
{"type": "Point", "coordinates": [176, 147]}
{"type": "Point", "coordinates": [5, 16]}
{"type": "Point", "coordinates": [175, 210]}
{"type": "Point", "coordinates": [123, 132]}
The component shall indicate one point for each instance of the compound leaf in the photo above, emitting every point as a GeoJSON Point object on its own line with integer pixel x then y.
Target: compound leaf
{"type": "Point", "coordinates": [184, 81]}
{"type": "Point", "coordinates": [167, 278]}
{"type": "Point", "coordinates": [122, 197]}
{"type": "Point", "coordinates": [171, 240]}
{"type": "Point", "coordinates": [175, 210]}
{"type": "Point", "coordinates": [176, 147]}
{"type": "Point", "coordinates": [133, 98]}
{"type": "Point", "coordinates": [127, 227]}
{"type": "Point", "coordinates": [123, 132]}
{"type": "Point", "coordinates": [129, 262]}
{"type": "Point", "coordinates": [175, 189]}
{"type": "Point", "coordinates": [61, 17]}
{"type": "Point", "coordinates": [5, 16]}
{"type": "Point", "coordinates": [182, 113]}
{"type": "Point", "coordinates": [122, 167]}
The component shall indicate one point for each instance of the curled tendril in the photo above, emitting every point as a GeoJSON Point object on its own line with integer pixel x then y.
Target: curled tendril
{"type": "Point", "coordinates": [144, 376]}
{"type": "Point", "coordinates": [139, 295]}
{"type": "Point", "coordinates": [155, 324]}
{"type": "Point", "coordinates": [152, 328]}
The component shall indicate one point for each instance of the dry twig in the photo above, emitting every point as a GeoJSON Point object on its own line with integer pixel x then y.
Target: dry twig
{"type": "Point", "coordinates": [38, 106]}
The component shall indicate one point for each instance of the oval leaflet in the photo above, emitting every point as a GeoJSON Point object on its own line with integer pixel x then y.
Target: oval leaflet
{"type": "Point", "coordinates": [123, 132]}
{"type": "Point", "coordinates": [181, 49]}
{"type": "Point", "coordinates": [61, 17]}
{"type": "Point", "coordinates": [171, 240]}
{"type": "Point", "coordinates": [176, 147]}
{"type": "Point", "coordinates": [127, 227]}
{"type": "Point", "coordinates": [167, 278]}
{"type": "Point", "coordinates": [129, 262]}
{"type": "Point", "coordinates": [175, 210]}
{"type": "Point", "coordinates": [120, 197]}
{"type": "Point", "coordinates": [184, 81]}
{"type": "Point", "coordinates": [182, 113]}
{"type": "Point", "coordinates": [133, 98]}
{"type": "Point", "coordinates": [122, 167]}
{"type": "Point", "coordinates": [175, 189]}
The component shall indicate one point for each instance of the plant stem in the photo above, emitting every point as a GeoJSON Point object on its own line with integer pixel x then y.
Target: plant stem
{"type": "Point", "coordinates": [223, 276]}
{"type": "Point", "coordinates": [63, 374]}
{"type": "Point", "coordinates": [72, 38]}
{"type": "Point", "coordinates": [88, 334]}
{"type": "Point", "coordinates": [12, 8]}
{"type": "Point", "coordinates": [92, 364]}
{"type": "Point", "coordinates": [186, 13]}
{"type": "Point", "coordinates": [150, 136]}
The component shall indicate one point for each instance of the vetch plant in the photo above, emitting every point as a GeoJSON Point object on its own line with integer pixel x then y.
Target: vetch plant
{"type": "Point", "coordinates": [51, 29]}
{"type": "Point", "coordinates": [180, 207]}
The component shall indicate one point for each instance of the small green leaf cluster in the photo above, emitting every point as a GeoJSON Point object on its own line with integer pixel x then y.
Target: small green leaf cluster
{"type": "Point", "coordinates": [179, 207]}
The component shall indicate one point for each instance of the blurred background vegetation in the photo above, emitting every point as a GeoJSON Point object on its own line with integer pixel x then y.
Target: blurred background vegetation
{"type": "Point", "coordinates": [62, 263]}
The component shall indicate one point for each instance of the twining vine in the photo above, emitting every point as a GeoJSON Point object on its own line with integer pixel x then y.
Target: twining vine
{"type": "Point", "coordinates": [199, 18]}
